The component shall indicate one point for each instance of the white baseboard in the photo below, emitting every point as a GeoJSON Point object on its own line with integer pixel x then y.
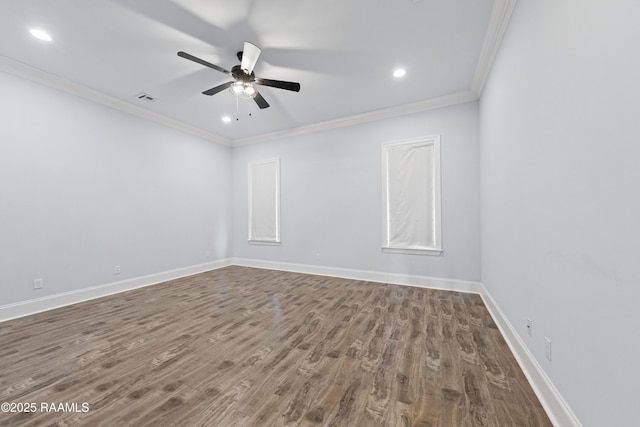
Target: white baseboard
{"type": "Point", "coordinates": [369, 276]}
{"type": "Point", "coordinates": [554, 404]}
{"type": "Point", "coordinates": [37, 305]}
{"type": "Point", "coordinates": [25, 308]}
{"type": "Point", "coordinates": [557, 409]}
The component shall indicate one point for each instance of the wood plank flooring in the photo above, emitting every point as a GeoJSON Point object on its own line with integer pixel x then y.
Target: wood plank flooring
{"type": "Point", "coordinates": [249, 347]}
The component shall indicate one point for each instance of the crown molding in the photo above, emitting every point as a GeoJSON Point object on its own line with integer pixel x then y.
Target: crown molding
{"type": "Point", "coordinates": [25, 71]}
{"type": "Point", "coordinates": [498, 22]}
{"type": "Point", "coordinates": [371, 116]}
{"type": "Point", "coordinates": [30, 73]}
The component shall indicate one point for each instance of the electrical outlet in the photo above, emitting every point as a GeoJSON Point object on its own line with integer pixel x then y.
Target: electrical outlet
{"type": "Point", "coordinates": [318, 255]}
{"type": "Point", "coordinates": [116, 269]}
{"type": "Point", "coordinates": [547, 347]}
{"type": "Point", "coordinates": [530, 327]}
{"type": "Point", "coordinates": [38, 283]}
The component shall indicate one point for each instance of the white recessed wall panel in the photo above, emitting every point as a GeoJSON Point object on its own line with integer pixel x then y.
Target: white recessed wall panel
{"type": "Point", "coordinates": [411, 196]}
{"type": "Point", "coordinates": [264, 201]}
{"type": "Point", "coordinates": [331, 196]}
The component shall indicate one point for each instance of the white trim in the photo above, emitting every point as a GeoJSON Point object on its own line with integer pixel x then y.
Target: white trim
{"type": "Point", "coordinates": [50, 302]}
{"type": "Point", "coordinates": [33, 306]}
{"type": "Point", "coordinates": [498, 22]}
{"type": "Point", "coordinates": [42, 77]}
{"type": "Point", "coordinates": [27, 72]}
{"type": "Point", "coordinates": [372, 116]}
{"type": "Point", "coordinates": [365, 275]}
{"type": "Point", "coordinates": [434, 167]}
{"type": "Point", "coordinates": [552, 401]}
{"type": "Point", "coordinates": [410, 251]}
{"type": "Point", "coordinates": [250, 167]}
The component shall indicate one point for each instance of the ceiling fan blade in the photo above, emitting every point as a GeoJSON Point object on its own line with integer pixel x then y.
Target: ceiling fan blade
{"type": "Point", "coordinates": [250, 56]}
{"type": "Point", "coordinates": [295, 87]}
{"type": "Point", "coordinates": [190, 57]}
{"type": "Point", "coordinates": [262, 103]}
{"type": "Point", "coordinates": [217, 89]}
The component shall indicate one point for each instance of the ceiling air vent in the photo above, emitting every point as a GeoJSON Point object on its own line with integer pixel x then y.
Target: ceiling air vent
{"type": "Point", "coordinates": [145, 97]}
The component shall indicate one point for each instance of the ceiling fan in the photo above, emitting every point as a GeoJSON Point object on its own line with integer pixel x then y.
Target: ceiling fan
{"type": "Point", "coordinates": [243, 76]}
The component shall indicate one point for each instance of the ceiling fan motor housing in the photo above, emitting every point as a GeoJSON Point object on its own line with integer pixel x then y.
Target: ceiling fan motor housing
{"type": "Point", "coordinates": [239, 74]}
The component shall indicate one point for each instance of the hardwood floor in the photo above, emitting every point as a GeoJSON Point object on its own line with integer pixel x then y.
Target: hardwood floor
{"type": "Point", "coordinates": [249, 347]}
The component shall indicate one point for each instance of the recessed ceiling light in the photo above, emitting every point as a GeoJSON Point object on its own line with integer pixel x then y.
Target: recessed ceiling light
{"type": "Point", "coordinates": [226, 119]}
{"type": "Point", "coordinates": [40, 35]}
{"type": "Point", "coordinates": [399, 72]}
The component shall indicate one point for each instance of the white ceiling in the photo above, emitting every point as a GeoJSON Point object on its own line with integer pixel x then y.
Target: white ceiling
{"type": "Point", "coordinates": [342, 52]}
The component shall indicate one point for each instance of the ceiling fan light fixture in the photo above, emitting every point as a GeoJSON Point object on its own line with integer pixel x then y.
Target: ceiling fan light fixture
{"type": "Point", "coordinates": [244, 90]}
{"type": "Point", "coordinates": [250, 90]}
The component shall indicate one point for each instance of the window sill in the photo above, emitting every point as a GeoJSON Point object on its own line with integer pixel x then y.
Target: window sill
{"type": "Point", "coordinates": [428, 252]}
{"type": "Point", "coordinates": [264, 242]}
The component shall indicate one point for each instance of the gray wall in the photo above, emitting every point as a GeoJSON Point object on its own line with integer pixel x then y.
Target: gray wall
{"type": "Point", "coordinates": [560, 123]}
{"type": "Point", "coordinates": [331, 196]}
{"type": "Point", "coordinates": [84, 187]}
